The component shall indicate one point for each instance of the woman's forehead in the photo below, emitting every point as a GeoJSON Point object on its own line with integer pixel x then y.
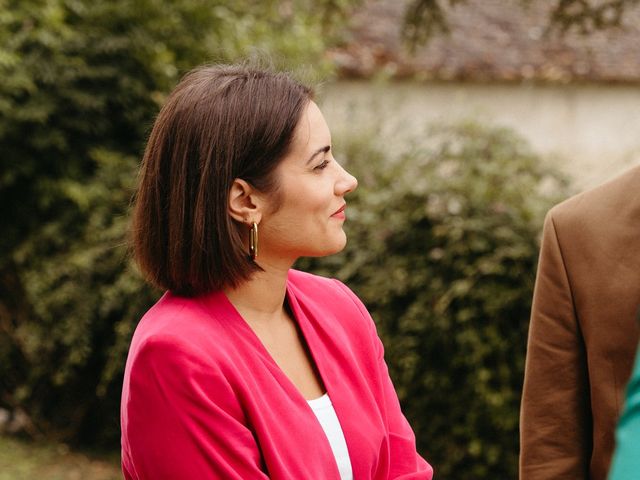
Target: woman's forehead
{"type": "Point", "coordinates": [312, 129]}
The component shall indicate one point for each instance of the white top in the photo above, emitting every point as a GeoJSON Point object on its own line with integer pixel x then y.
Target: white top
{"type": "Point", "coordinates": [326, 415]}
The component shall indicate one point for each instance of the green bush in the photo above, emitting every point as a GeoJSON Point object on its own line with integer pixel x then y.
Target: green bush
{"type": "Point", "coordinates": [443, 244]}
{"type": "Point", "coordinates": [443, 234]}
{"type": "Point", "coordinates": [81, 83]}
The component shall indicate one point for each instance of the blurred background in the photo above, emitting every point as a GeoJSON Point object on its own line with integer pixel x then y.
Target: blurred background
{"type": "Point", "coordinates": [464, 120]}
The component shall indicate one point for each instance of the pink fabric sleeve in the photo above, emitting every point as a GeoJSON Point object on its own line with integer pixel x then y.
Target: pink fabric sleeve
{"type": "Point", "coordinates": [184, 420]}
{"type": "Point", "coordinates": [405, 462]}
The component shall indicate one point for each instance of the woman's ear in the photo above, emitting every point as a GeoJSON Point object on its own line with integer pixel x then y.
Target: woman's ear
{"type": "Point", "coordinates": [244, 202]}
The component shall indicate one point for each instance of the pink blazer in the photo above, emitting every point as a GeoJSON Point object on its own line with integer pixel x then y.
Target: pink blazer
{"type": "Point", "coordinates": [202, 398]}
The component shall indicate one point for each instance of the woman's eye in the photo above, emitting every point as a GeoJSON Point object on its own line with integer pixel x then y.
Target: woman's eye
{"type": "Point", "coordinates": [322, 166]}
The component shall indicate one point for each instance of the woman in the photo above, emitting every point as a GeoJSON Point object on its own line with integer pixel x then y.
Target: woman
{"type": "Point", "coordinates": [245, 368]}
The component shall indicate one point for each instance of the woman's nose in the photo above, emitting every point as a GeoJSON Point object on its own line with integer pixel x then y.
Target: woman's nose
{"type": "Point", "coordinates": [347, 183]}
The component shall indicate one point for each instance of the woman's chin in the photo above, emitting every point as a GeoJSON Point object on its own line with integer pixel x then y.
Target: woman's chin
{"type": "Point", "coordinates": [338, 246]}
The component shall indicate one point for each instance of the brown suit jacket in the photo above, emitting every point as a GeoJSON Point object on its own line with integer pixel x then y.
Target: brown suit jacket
{"type": "Point", "coordinates": [583, 335]}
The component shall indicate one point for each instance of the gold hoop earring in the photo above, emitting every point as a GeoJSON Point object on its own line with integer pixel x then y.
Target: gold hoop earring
{"type": "Point", "coordinates": [253, 241]}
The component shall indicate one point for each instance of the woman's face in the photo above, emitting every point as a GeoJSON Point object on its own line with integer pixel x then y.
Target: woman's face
{"type": "Point", "coordinates": [304, 217]}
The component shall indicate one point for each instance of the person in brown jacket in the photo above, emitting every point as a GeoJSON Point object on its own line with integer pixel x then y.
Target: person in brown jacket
{"type": "Point", "coordinates": [583, 335]}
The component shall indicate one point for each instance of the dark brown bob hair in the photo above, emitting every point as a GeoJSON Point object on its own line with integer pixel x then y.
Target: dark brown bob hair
{"type": "Point", "coordinates": [220, 123]}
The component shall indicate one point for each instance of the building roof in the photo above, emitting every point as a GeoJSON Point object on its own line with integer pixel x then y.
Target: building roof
{"type": "Point", "coordinates": [489, 40]}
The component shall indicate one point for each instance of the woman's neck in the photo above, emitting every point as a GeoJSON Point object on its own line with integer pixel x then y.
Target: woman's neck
{"type": "Point", "coordinates": [262, 297]}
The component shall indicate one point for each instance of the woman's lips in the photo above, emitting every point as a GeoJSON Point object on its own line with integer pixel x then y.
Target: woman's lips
{"type": "Point", "coordinates": [340, 213]}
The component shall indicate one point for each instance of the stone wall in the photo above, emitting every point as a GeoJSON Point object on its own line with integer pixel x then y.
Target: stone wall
{"type": "Point", "coordinates": [592, 131]}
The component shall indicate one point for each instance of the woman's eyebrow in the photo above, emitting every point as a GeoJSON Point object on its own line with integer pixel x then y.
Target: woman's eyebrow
{"type": "Point", "coordinates": [324, 149]}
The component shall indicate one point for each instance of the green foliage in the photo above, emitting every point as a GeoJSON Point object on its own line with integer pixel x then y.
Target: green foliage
{"type": "Point", "coordinates": [82, 82]}
{"type": "Point", "coordinates": [443, 244]}
{"type": "Point", "coordinates": [443, 235]}
{"type": "Point", "coordinates": [78, 74]}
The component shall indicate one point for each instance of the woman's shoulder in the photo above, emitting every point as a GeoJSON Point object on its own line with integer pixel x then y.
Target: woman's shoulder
{"type": "Point", "coordinates": [172, 314]}
{"type": "Point", "coordinates": [332, 307]}
{"type": "Point", "coordinates": [320, 288]}
{"type": "Point", "coordinates": [328, 295]}
{"type": "Point", "coordinates": [182, 324]}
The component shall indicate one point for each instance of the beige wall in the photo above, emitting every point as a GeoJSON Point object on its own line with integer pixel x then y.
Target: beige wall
{"type": "Point", "coordinates": [591, 131]}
